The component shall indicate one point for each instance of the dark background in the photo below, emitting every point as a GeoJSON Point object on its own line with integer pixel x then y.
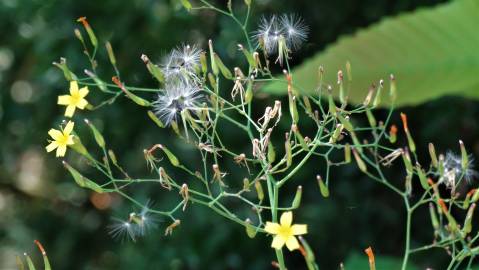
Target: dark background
{"type": "Point", "coordinates": [39, 200]}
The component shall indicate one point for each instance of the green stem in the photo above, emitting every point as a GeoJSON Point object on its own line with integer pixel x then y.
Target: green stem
{"type": "Point", "coordinates": [408, 236]}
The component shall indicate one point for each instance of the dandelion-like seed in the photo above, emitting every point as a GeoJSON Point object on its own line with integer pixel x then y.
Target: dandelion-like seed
{"type": "Point", "coordinates": [454, 171]}
{"type": "Point", "coordinates": [281, 35]}
{"type": "Point", "coordinates": [295, 29]}
{"type": "Point", "coordinates": [182, 63]}
{"type": "Point", "coordinates": [122, 230]}
{"type": "Point", "coordinates": [176, 97]}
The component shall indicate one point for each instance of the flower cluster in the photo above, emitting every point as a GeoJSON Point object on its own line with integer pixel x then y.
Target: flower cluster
{"type": "Point", "coordinates": [182, 85]}
{"type": "Point", "coordinates": [454, 170]}
{"type": "Point", "coordinates": [63, 137]}
{"type": "Point", "coordinates": [281, 35]}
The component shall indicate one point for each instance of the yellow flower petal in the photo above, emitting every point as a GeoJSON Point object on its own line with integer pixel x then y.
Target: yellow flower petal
{"type": "Point", "coordinates": [64, 100]}
{"type": "Point", "coordinates": [82, 103]}
{"type": "Point", "coordinates": [278, 242]}
{"type": "Point", "coordinates": [68, 128]}
{"type": "Point", "coordinates": [299, 229]}
{"type": "Point", "coordinates": [55, 134]}
{"type": "Point", "coordinates": [83, 91]}
{"type": "Point", "coordinates": [73, 88]}
{"type": "Point", "coordinates": [292, 243]}
{"type": "Point", "coordinates": [51, 146]}
{"type": "Point", "coordinates": [70, 110]}
{"type": "Point", "coordinates": [286, 218]}
{"type": "Point", "coordinates": [61, 150]}
{"type": "Point", "coordinates": [271, 228]}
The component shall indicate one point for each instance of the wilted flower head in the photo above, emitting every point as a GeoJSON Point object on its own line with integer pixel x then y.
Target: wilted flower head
{"type": "Point", "coordinates": [453, 170]}
{"type": "Point", "coordinates": [174, 98]}
{"type": "Point", "coordinates": [181, 63]}
{"type": "Point", "coordinates": [281, 34]}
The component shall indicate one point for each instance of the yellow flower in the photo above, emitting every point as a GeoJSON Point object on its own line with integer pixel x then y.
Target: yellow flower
{"type": "Point", "coordinates": [61, 139]}
{"type": "Point", "coordinates": [76, 99]}
{"type": "Point", "coordinates": [285, 232]}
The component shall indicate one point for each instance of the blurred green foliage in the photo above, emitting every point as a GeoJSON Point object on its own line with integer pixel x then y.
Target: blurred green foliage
{"type": "Point", "coordinates": [39, 200]}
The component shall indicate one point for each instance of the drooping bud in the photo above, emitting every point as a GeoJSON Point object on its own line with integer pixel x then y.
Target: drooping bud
{"type": "Point", "coordinates": [249, 57]}
{"type": "Point", "coordinates": [171, 157]}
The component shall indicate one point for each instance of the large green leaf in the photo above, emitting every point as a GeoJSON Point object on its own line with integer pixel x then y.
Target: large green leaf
{"type": "Point", "coordinates": [432, 52]}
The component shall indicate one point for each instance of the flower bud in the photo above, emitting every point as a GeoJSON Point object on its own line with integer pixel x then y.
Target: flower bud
{"type": "Point", "coordinates": [432, 154]}
{"type": "Point", "coordinates": [464, 156]}
{"type": "Point", "coordinates": [297, 197]}
{"type": "Point", "coordinates": [154, 70]}
{"type": "Point", "coordinates": [249, 57]}
{"type": "Point", "coordinates": [289, 153]}
{"type": "Point", "coordinates": [392, 89]}
{"type": "Point", "coordinates": [271, 153]}
{"type": "Point", "coordinates": [422, 177]}
{"type": "Point", "coordinates": [371, 119]}
{"type": "Point", "coordinates": [96, 134]}
{"type": "Point", "coordinates": [246, 185]}
{"type": "Point", "coordinates": [259, 190]}
{"type": "Point", "coordinates": [81, 180]}
{"type": "Point", "coordinates": [359, 161]}
{"type": "Point", "coordinates": [434, 220]}
{"type": "Point", "coordinates": [212, 80]}
{"type": "Point", "coordinates": [186, 4]}
{"type": "Point", "coordinates": [155, 119]}
{"type": "Point", "coordinates": [138, 100]}
{"type": "Point", "coordinates": [336, 133]}
{"type": "Point", "coordinates": [377, 98]}
{"type": "Point", "coordinates": [249, 92]}
{"type": "Point", "coordinates": [347, 153]}
{"type": "Point", "coordinates": [393, 134]}
{"type": "Point", "coordinates": [412, 145]}
{"type": "Point", "coordinates": [323, 188]}
{"type": "Point", "coordinates": [214, 65]}
{"type": "Point", "coordinates": [224, 70]}
{"type": "Point", "coordinates": [89, 31]}
{"type": "Point", "coordinates": [250, 230]}
{"type": "Point", "coordinates": [372, 264]}
{"type": "Point", "coordinates": [293, 110]}
{"type": "Point", "coordinates": [69, 76]}
{"type": "Point", "coordinates": [171, 157]}
{"type": "Point", "coordinates": [299, 137]}
{"type": "Point", "coordinates": [467, 228]}
{"type": "Point", "coordinates": [111, 54]}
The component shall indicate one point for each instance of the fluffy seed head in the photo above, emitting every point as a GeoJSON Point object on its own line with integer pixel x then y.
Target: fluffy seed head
{"type": "Point", "coordinates": [175, 97]}
{"type": "Point", "coordinates": [272, 29]}
{"type": "Point", "coordinates": [454, 172]}
{"type": "Point", "coordinates": [182, 63]}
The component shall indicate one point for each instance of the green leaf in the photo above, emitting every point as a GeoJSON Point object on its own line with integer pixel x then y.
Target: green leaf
{"type": "Point", "coordinates": [431, 52]}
